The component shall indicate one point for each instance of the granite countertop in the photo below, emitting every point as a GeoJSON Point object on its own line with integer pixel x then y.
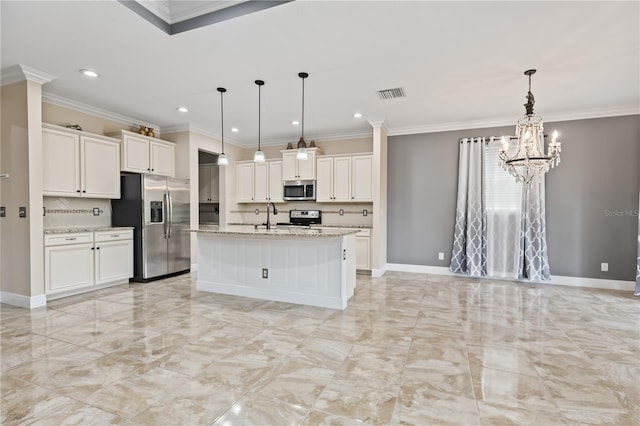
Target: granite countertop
{"type": "Point", "coordinates": [77, 229]}
{"type": "Point", "coordinates": [274, 231]}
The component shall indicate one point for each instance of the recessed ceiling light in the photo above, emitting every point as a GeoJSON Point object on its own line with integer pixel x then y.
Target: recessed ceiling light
{"type": "Point", "coordinates": [295, 122]}
{"type": "Point", "coordinates": [357, 115]}
{"type": "Point", "coordinates": [183, 109]}
{"type": "Point", "coordinates": [234, 129]}
{"type": "Point", "coordinates": [90, 73]}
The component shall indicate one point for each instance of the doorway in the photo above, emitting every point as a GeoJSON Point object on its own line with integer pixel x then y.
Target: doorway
{"type": "Point", "coordinates": [208, 188]}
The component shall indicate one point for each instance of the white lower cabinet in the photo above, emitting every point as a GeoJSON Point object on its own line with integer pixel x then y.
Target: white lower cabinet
{"type": "Point", "coordinates": [77, 261]}
{"type": "Point", "coordinates": [363, 247]}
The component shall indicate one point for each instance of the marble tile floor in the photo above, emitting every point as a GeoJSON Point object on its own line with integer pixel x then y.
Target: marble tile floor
{"type": "Point", "coordinates": [409, 349]}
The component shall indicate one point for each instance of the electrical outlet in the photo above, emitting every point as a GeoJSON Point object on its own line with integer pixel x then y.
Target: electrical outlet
{"type": "Point", "coordinates": [365, 212]}
{"type": "Point", "coordinates": [441, 256]}
{"type": "Point", "coordinates": [265, 273]}
{"type": "Point", "coordinates": [257, 212]}
{"type": "Point", "coordinates": [341, 212]}
{"type": "Point", "coordinates": [96, 211]}
{"type": "Point", "coordinates": [604, 267]}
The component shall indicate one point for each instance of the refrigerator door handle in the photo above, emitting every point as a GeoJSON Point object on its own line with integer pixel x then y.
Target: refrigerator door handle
{"type": "Point", "coordinates": [165, 212]}
{"type": "Point", "coordinates": [170, 218]}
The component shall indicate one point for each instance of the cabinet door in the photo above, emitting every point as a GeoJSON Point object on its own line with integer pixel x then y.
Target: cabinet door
{"type": "Point", "coordinates": [114, 261]}
{"type": "Point", "coordinates": [275, 181]}
{"type": "Point", "coordinates": [324, 183]}
{"type": "Point", "coordinates": [135, 154]}
{"type": "Point", "coordinates": [363, 253]}
{"type": "Point", "coordinates": [244, 182]}
{"type": "Point", "coordinates": [100, 168]}
{"type": "Point", "coordinates": [307, 168]}
{"type": "Point", "coordinates": [60, 163]}
{"type": "Point", "coordinates": [261, 182]}
{"type": "Point", "coordinates": [362, 189]}
{"type": "Point", "coordinates": [68, 267]}
{"type": "Point", "coordinates": [289, 166]}
{"type": "Point", "coordinates": [215, 183]}
{"type": "Point", "coordinates": [161, 158]}
{"type": "Point", "coordinates": [342, 179]}
{"type": "Point", "coordinates": [204, 184]}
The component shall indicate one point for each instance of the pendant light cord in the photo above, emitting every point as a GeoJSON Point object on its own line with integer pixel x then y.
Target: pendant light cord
{"type": "Point", "coordinates": [222, 120]}
{"type": "Point", "coordinates": [302, 136]}
{"type": "Point", "coordinates": [259, 105]}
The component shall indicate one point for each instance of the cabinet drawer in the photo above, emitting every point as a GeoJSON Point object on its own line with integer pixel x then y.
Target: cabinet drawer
{"type": "Point", "coordinates": [65, 239]}
{"type": "Point", "coordinates": [114, 235]}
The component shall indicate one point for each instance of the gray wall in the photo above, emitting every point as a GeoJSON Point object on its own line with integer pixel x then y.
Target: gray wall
{"type": "Point", "coordinates": [592, 197]}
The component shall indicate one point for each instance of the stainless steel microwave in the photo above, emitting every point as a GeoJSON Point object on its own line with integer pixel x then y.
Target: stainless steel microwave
{"type": "Point", "coordinates": [299, 190]}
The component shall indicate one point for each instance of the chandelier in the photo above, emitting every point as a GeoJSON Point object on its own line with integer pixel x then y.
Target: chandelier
{"type": "Point", "coordinates": [529, 162]}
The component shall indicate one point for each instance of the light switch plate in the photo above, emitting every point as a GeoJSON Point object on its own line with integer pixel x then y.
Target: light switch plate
{"type": "Point", "coordinates": [341, 212]}
{"type": "Point", "coordinates": [22, 212]}
{"type": "Point", "coordinates": [96, 211]}
{"type": "Point", "coordinates": [3, 211]}
{"type": "Point", "coordinates": [365, 212]}
{"type": "Point", "coordinates": [604, 267]}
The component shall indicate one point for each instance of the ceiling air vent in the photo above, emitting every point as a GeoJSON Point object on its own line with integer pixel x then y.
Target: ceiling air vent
{"type": "Point", "coordinates": [396, 92]}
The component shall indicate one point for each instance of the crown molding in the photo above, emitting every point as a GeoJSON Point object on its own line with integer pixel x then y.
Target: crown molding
{"type": "Point", "coordinates": [380, 124]}
{"type": "Point", "coordinates": [511, 121]}
{"type": "Point", "coordinates": [17, 73]}
{"type": "Point", "coordinates": [187, 127]}
{"type": "Point", "coordinates": [95, 111]}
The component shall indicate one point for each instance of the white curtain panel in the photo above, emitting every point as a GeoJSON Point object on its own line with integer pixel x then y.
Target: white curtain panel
{"type": "Point", "coordinates": [469, 243]}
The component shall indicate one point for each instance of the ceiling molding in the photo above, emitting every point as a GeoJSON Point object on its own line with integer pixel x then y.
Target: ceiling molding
{"type": "Point", "coordinates": [95, 111]}
{"type": "Point", "coordinates": [17, 73]}
{"type": "Point", "coordinates": [380, 124]}
{"type": "Point", "coordinates": [511, 121]}
{"type": "Point", "coordinates": [187, 127]}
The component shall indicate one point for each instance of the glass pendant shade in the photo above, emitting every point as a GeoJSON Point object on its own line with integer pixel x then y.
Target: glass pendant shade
{"type": "Point", "coordinates": [223, 160]}
{"type": "Point", "coordinates": [258, 157]}
{"type": "Point", "coordinates": [528, 161]}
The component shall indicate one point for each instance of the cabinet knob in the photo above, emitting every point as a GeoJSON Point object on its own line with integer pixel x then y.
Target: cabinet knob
{"type": "Point", "coordinates": [97, 248]}
{"type": "Point", "coordinates": [84, 190]}
{"type": "Point", "coordinates": [153, 170]}
{"type": "Point", "coordinates": [77, 190]}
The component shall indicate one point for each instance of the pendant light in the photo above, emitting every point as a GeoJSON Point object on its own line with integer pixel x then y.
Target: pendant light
{"type": "Point", "coordinates": [258, 157]}
{"type": "Point", "coordinates": [222, 158]}
{"type": "Point", "coordinates": [302, 145]}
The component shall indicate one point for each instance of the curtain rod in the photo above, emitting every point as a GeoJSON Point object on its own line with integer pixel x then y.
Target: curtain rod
{"type": "Point", "coordinates": [498, 138]}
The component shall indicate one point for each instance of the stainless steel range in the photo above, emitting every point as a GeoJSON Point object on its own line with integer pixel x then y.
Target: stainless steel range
{"type": "Point", "coordinates": [303, 218]}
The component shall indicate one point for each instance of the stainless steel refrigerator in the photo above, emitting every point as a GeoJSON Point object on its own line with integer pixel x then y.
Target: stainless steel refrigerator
{"type": "Point", "coordinates": [158, 209]}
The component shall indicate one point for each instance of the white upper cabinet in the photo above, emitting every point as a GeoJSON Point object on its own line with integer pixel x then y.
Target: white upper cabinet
{"type": "Point", "coordinates": [208, 183]}
{"type": "Point", "coordinates": [334, 179]}
{"type": "Point", "coordinates": [259, 182]}
{"type": "Point", "coordinates": [294, 169]}
{"type": "Point", "coordinates": [143, 154]}
{"type": "Point", "coordinates": [362, 178]}
{"type": "Point", "coordinates": [79, 164]}
{"type": "Point", "coordinates": [244, 182]}
{"type": "Point", "coordinates": [344, 178]}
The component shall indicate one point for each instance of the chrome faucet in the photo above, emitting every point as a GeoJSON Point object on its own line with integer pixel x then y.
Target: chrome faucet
{"type": "Point", "coordinates": [275, 212]}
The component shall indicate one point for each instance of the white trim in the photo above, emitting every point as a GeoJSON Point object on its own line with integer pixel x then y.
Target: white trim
{"type": "Point", "coordinates": [23, 301]}
{"type": "Point", "coordinates": [380, 124]}
{"type": "Point", "coordinates": [555, 279]}
{"type": "Point", "coordinates": [510, 121]}
{"type": "Point", "coordinates": [194, 267]}
{"type": "Point", "coordinates": [377, 273]}
{"type": "Point", "coordinates": [160, 8]}
{"type": "Point", "coordinates": [94, 111]}
{"type": "Point", "coordinates": [19, 72]}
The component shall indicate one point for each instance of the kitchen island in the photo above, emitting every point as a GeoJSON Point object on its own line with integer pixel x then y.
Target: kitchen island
{"type": "Point", "coordinates": [314, 267]}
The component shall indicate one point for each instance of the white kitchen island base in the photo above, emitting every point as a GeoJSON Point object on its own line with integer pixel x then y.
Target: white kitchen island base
{"type": "Point", "coordinates": [307, 267]}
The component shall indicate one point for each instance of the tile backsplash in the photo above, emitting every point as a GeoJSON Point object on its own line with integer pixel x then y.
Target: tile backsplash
{"type": "Point", "coordinates": [352, 213]}
{"type": "Point", "coordinates": [62, 212]}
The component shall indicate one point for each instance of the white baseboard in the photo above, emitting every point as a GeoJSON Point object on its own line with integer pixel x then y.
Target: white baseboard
{"type": "Point", "coordinates": [555, 279]}
{"type": "Point", "coordinates": [23, 301]}
{"type": "Point", "coordinates": [377, 273]}
{"type": "Point", "coordinates": [194, 267]}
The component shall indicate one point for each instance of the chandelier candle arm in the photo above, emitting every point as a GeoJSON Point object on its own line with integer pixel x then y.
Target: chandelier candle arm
{"type": "Point", "coordinates": [528, 161]}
